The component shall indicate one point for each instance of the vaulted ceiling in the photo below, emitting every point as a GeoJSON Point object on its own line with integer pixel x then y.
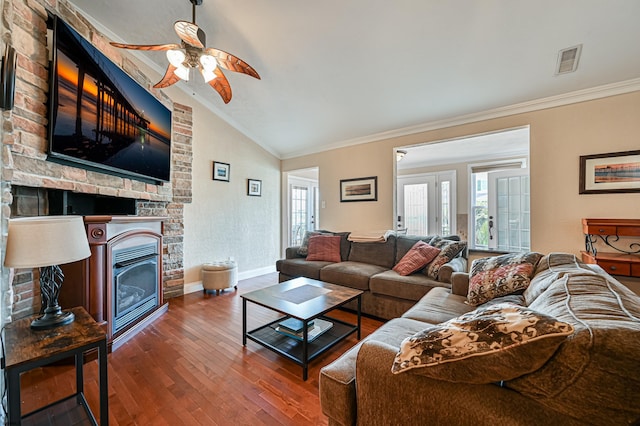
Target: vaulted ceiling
{"type": "Point", "coordinates": [338, 72]}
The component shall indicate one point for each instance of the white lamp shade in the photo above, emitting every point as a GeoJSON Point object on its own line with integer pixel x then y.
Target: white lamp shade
{"type": "Point", "coordinates": [38, 241]}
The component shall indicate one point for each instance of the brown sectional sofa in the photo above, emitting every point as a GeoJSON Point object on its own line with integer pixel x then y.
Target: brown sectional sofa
{"type": "Point", "coordinates": [367, 266]}
{"type": "Point", "coordinates": [592, 378]}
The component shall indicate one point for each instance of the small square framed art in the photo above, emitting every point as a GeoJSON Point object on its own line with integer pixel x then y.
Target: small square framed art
{"type": "Point", "coordinates": [221, 171]}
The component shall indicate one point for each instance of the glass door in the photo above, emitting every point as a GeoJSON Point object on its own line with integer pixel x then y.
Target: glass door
{"type": "Point", "coordinates": [303, 197]}
{"type": "Point", "coordinates": [509, 210]}
{"type": "Point", "coordinates": [426, 203]}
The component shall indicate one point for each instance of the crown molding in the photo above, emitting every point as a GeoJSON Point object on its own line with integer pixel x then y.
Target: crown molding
{"type": "Point", "coordinates": [593, 93]}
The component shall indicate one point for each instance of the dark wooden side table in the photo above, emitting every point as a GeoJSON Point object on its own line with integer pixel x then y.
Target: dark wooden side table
{"type": "Point", "coordinates": [27, 349]}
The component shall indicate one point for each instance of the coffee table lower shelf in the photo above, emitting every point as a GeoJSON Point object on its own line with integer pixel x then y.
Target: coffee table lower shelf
{"type": "Point", "coordinates": [293, 349]}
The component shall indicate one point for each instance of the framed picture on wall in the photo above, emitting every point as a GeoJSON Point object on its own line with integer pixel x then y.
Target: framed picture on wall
{"type": "Point", "coordinates": [221, 171]}
{"type": "Point", "coordinates": [254, 187]}
{"type": "Point", "coordinates": [616, 172]}
{"type": "Point", "coordinates": [359, 189]}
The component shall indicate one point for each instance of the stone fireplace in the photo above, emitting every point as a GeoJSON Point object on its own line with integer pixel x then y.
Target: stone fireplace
{"type": "Point", "coordinates": [31, 185]}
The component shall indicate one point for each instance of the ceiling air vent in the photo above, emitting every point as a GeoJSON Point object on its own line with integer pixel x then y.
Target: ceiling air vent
{"type": "Point", "coordinates": [568, 59]}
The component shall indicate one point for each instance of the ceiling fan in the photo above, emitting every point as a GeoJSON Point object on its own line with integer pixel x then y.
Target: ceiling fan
{"type": "Point", "coordinates": [192, 53]}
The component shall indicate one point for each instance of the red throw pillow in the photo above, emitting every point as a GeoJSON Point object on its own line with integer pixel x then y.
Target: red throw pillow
{"type": "Point", "coordinates": [420, 255]}
{"type": "Point", "coordinates": [325, 248]}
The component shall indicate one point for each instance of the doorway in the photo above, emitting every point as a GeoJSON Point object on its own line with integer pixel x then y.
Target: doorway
{"type": "Point", "coordinates": [476, 187]}
{"type": "Point", "coordinates": [302, 205]}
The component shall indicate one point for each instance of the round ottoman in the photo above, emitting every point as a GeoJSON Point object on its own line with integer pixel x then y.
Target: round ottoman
{"type": "Point", "coordinates": [219, 276]}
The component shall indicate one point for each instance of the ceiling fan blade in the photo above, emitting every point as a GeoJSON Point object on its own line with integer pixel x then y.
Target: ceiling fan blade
{"type": "Point", "coordinates": [231, 62]}
{"type": "Point", "coordinates": [169, 46]}
{"type": "Point", "coordinates": [190, 34]}
{"type": "Point", "coordinates": [169, 78]}
{"type": "Point", "coordinates": [221, 85]}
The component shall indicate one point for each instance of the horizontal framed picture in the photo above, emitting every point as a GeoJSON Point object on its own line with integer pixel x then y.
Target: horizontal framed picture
{"type": "Point", "coordinates": [360, 189]}
{"type": "Point", "coordinates": [616, 172]}
{"type": "Point", "coordinates": [254, 187]}
{"type": "Point", "coordinates": [221, 171]}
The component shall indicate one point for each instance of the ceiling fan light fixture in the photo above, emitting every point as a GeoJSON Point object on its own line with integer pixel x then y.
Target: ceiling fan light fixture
{"type": "Point", "coordinates": [176, 57]}
{"type": "Point", "coordinates": [208, 62]}
{"type": "Point", "coordinates": [207, 74]}
{"type": "Point", "coordinates": [182, 72]}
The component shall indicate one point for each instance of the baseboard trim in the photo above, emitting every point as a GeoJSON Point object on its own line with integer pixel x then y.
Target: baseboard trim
{"type": "Point", "coordinates": [245, 275]}
{"type": "Point", "coordinates": [193, 287]}
{"type": "Point", "coordinates": [256, 272]}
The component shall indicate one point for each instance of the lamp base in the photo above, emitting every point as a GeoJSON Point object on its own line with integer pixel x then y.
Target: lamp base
{"type": "Point", "coordinates": [52, 320]}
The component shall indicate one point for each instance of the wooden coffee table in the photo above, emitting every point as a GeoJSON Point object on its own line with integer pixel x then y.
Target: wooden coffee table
{"type": "Point", "coordinates": [307, 300]}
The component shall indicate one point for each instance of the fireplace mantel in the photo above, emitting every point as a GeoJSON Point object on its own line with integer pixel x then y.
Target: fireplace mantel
{"type": "Point", "coordinates": [91, 282]}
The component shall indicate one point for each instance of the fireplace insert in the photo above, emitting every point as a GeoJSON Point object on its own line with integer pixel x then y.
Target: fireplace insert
{"type": "Point", "coordinates": [135, 278]}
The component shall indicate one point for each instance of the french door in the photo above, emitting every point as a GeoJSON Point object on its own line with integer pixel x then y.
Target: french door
{"type": "Point", "coordinates": [426, 203]}
{"type": "Point", "coordinates": [509, 210]}
{"type": "Point", "coordinates": [303, 196]}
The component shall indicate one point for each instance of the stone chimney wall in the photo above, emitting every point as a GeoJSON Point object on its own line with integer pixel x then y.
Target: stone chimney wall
{"type": "Point", "coordinates": [24, 147]}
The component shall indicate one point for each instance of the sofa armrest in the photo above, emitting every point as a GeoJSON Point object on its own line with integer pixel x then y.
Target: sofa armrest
{"type": "Point", "coordinates": [460, 283]}
{"type": "Point", "coordinates": [337, 388]}
{"type": "Point", "coordinates": [458, 264]}
{"type": "Point", "coordinates": [292, 252]}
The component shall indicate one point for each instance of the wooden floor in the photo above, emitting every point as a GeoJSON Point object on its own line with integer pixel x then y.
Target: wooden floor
{"type": "Point", "coordinates": [189, 368]}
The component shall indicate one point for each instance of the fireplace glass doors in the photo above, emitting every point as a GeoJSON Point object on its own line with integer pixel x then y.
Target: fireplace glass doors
{"type": "Point", "coordinates": [135, 279]}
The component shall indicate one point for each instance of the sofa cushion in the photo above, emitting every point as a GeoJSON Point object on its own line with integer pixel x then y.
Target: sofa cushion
{"type": "Point", "coordinates": [300, 267]}
{"type": "Point", "coordinates": [409, 287]}
{"type": "Point", "coordinates": [324, 247]}
{"type": "Point", "coordinates": [448, 250]}
{"type": "Point", "coordinates": [490, 344]}
{"type": "Point", "coordinates": [601, 355]}
{"type": "Point", "coordinates": [350, 274]}
{"type": "Point", "coordinates": [500, 275]}
{"type": "Point", "coordinates": [550, 268]}
{"type": "Point", "coordinates": [438, 305]}
{"type": "Point", "coordinates": [416, 258]}
{"type": "Point", "coordinates": [378, 253]}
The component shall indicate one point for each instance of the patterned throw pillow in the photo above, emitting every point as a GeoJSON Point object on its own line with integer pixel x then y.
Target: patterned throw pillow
{"type": "Point", "coordinates": [324, 247]}
{"type": "Point", "coordinates": [492, 277]}
{"type": "Point", "coordinates": [448, 250]}
{"type": "Point", "coordinates": [416, 258]}
{"type": "Point", "coordinates": [490, 344]}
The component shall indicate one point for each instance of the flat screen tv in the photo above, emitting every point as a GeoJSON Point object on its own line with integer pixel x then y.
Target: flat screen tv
{"type": "Point", "coordinates": [101, 119]}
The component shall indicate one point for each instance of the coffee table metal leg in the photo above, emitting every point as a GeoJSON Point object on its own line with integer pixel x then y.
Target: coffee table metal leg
{"type": "Point", "coordinates": [305, 351]}
{"type": "Point", "coordinates": [244, 322]}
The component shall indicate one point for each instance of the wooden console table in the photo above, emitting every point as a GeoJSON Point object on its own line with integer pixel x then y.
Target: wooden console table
{"type": "Point", "coordinates": [27, 349]}
{"type": "Point", "coordinates": [622, 261]}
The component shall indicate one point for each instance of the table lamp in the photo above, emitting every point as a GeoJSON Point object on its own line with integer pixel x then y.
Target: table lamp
{"type": "Point", "coordinates": [45, 242]}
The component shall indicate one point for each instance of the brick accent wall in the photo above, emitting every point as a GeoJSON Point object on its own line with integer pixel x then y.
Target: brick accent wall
{"type": "Point", "coordinates": [24, 144]}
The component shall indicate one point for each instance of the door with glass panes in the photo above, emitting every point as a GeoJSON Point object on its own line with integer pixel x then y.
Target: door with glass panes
{"type": "Point", "coordinates": [426, 203]}
{"type": "Point", "coordinates": [302, 209]}
{"type": "Point", "coordinates": [509, 210]}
